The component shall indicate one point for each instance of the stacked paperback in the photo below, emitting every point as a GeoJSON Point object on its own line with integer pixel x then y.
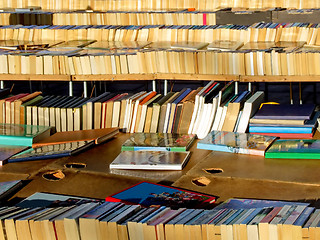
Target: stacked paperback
{"type": "Point", "coordinates": [154, 151]}
{"type": "Point", "coordinates": [285, 121]}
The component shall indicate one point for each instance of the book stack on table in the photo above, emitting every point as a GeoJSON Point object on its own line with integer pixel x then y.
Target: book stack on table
{"type": "Point", "coordinates": [285, 121]}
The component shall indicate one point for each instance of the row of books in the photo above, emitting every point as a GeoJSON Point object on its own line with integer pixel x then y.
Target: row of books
{"type": "Point", "coordinates": [259, 32]}
{"type": "Point", "coordinates": [153, 4]}
{"type": "Point", "coordinates": [83, 218]}
{"type": "Point", "coordinates": [105, 18]}
{"type": "Point", "coordinates": [179, 61]}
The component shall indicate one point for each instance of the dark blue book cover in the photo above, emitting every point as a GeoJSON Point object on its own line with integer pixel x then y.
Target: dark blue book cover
{"type": "Point", "coordinates": [148, 194]}
{"type": "Point", "coordinates": [285, 111]}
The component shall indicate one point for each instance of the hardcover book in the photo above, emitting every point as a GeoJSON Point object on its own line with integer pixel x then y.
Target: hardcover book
{"type": "Point", "coordinates": [158, 142]}
{"type": "Point", "coordinates": [151, 160]}
{"type": "Point", "coordinates": [148, 194]}
{"type": "Point", "coordinates": [236, 142]}
{"type": "Point", "coordinates": [285, 111]}
{"type": "Point", "coordinates": [7, 188]}
{"type": "Point", "coordinates": [295, 149]}
{"type": "Point", "coordinates": [96, 135]}
{"type": "Point", "coordinates": [51, 151]}
{"type": "Point", "coordinates": [7, 151]}
{"type": "Point", "coordinates": [22, 135]}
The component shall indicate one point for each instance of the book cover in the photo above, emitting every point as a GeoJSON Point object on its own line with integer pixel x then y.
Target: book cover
{"type": "Point", "coordinates": [97, 135]}
{"type": "Point", "coordinates": [22, 135]}
{"type": "Point", "coordinates": [51, 151]}
{"type": "Point", "coordinates": [285, 111]}
{"type": "Point", "coordinates": [8, 187]}
{"type": "Point", "coordinates": [236, 142]}
{"type": "Point", "coordinates": [295, 149]}
{"type": "Point", "coordinates": [158, 142]}
{"type": "Point", "coordinates": [148, 194]}
{"type": "Point", "coordinates": [151, 160]}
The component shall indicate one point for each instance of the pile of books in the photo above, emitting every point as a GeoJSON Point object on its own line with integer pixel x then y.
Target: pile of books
{"type": "Point", "coordinates": [285, 121]}
{"type": "Point", "coordinates": [157, 211]}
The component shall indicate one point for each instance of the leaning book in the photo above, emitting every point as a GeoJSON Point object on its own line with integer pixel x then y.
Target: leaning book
{"type": "Point", "coordinates": [158, 142]}
{"type": "Point", "coordinates": [295, 149]}
{"type": "Point", "coordinates": [150, 160]}
{"type": "Point", "coordinates": [149, 194]}
{"type": "Point", "coordinates": [236, 142]}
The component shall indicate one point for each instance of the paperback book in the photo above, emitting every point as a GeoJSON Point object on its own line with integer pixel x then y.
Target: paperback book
{"type": "Point", "coordinates": [150, 160]}
{"type": "Point", "coordinates": [51, 151]}
{"type": "Point", "coordinates": [148, 194]}
{"type": "Point", "coordinates": [158, 142]}
{"type": "Point", "coordinates": [295, 149]}
{"type": "Point", "coordinates": [236, 142]}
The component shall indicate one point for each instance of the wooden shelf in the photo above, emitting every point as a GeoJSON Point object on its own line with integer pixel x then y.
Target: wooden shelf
{"type": "Point", "coordinates": [158, 76]}
{"type": "Point", "coordinates": [34, 77]}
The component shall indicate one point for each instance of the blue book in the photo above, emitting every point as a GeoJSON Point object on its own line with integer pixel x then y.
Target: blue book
{"type": "Point", "coordinates": [285, 111]}
{"type": "Point", "coordinates": [284, 129]}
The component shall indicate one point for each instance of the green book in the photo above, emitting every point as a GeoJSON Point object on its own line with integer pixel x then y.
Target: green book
{"type": "Point", "coordinates": [295, 149]}
{"type": "Point", "coordinates": [173, 142]}
{"type": "Point", "coordinates": [22, 135]}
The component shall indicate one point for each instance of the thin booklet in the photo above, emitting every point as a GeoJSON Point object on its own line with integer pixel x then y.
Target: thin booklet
{"type": "Point", "coordinates": [150, 160]}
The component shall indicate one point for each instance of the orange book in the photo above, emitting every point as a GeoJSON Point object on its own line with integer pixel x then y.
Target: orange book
{"type": "Point", "coordinates": [97, 135]}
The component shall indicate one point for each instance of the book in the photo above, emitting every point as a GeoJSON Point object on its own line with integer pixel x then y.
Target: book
{"type": "Point", "coordinates": [8, 188]}
{"type": "Point", "coordinates": [148, 194]}
{"type": "Point", "coordinates": [96, 135]}
{"type": "Point", "coordinates": [151, 160]}
{"type": "Point", "coordinates": [158, 142]}
{"type": "Point", "coordinates": [236, 142]}
{"type": "Point", "coordinates": [7, 151]}
{"type": "Point", "coordinates": [285, 111]}
{"type": "Point", "coordinates": [22, 135]}
{"type": "Point", "coordinates": [294, 149]}
{"type": "Point", "coordinates": [224, 45]}
{"type": "Point", "coordinates": [52, 151]}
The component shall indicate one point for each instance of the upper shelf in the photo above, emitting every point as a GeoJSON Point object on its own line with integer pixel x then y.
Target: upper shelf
{"type": "Point", "coordinates": [159, 76]}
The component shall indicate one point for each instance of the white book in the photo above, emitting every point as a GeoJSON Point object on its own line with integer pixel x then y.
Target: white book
{"type": "Point", "coordinates": [142, 118]}
{"type": "Point", "coordinates": [217, 119]}
{"type": "Point", "coordinates": [195, 110]}
{"type": "Point", "coordinates": [251, 106]}
{"type": "Point", "coordinates": [199, 115]}
{"type": "Point", "coordinates": [204, 120]}
{"type": "Point", "coordinates": [223, 117]}
{"type": "Point", "coordinates": [135, 111]}
{"type": "Point", "coordinates": [116, 113]}
{"type": "Point", "coordinates": [166, 120]}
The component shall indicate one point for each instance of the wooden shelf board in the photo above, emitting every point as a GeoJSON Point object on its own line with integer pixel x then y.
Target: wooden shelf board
{"type": "Point", "coordinates": [34, 77]}
{"type": "Point", "coordinates": [279, 78]}
{"type": "Point", "coordinates": [192, 77]}
{"type": "Point", "coordinates": [113, 77]}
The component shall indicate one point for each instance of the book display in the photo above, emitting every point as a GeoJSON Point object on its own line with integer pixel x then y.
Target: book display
{"type": "Point", "coordinates": [214, 158]}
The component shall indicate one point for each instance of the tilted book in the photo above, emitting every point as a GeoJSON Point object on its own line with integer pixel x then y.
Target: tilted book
{"type": "Point", "coordinates": [236, 142]}
{"type": "Point", "coordinates": [147, 194]}
{"type": "Point", "coordinates": [150, 160]}
{"type": "Point", "coordinates": [158, 142]}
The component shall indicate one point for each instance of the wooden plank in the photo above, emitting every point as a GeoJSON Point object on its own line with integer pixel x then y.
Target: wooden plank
{"type": "Point", "coordinates": [34, 77]}
{"type": "Point", "coordinates": [194, 77]}
{"type": "Point", "coordinates": [279, 78]}
{"type": "Point", "coordinates": [113, 77]}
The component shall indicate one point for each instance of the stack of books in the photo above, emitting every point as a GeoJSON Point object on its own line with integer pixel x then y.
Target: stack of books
{"type": "Point", "coordinates": [285, 121]}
